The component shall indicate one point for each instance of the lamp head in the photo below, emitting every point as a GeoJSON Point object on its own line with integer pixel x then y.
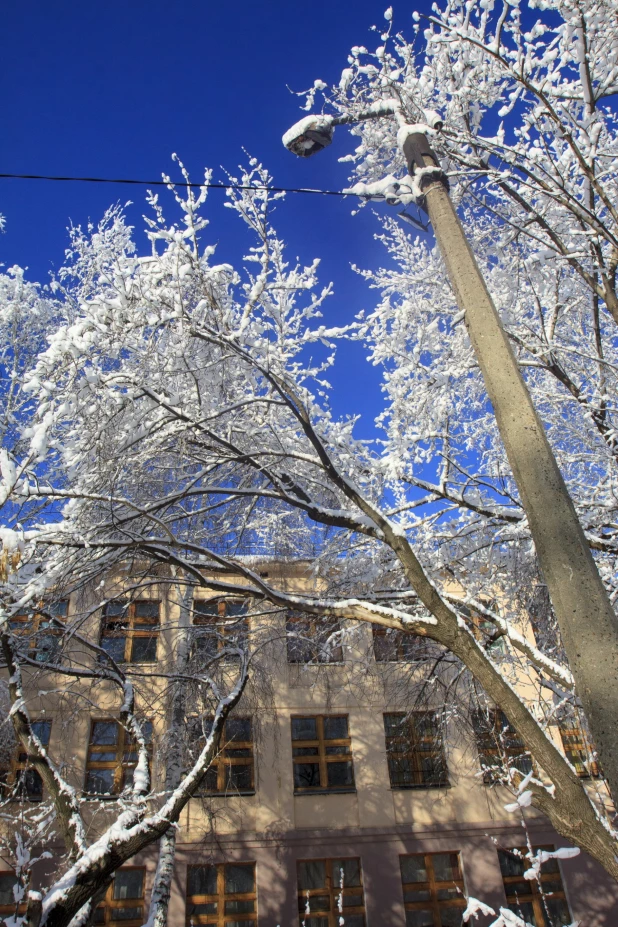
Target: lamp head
{"type": "Point", "coordinates": [309, 135]}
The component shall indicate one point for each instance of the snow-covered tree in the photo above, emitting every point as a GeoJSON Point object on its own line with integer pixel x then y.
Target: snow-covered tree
{"type": "Point", "coordinates": [180, 410]}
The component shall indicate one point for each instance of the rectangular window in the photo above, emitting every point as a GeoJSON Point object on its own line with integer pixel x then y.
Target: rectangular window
{"type": "Point", "coordinates": [499, 745]}
{"type": "Point", "coordinates": [112, 757]}
{"type": "Point", "coordinates": [313, 640]}
{"type": "Point", "coordinates": [8, 906]}
{"type": "Point", "coordinates": [232, 771]}
{"type": "Point", "coordinates": [414, 750]}
{"type": "Point", "coordinates": [329, 891]}
{"type": "Point", "coordinates": [221, 629]}
{"type": "Point", "coordinates": [130, 630]}
{"type": "Point", "coordinates": [577, 749]}
{"type": "Point", "coordinates": [322, 754]}
{"type": "Point", "coordinates": [19, 780]}
{"type": "Point", "coordinates": [41, 632]}
{"type": "Point", "coordinates": [433, 889]}
{"type": "Point", "coordinates": [543, 907]}
{"type": "Point", "coordinates": [124, 900]}
{"type": "Point", "coordinates": [222, 894]}
{"type": "Point", "coordinates": [393, 646]}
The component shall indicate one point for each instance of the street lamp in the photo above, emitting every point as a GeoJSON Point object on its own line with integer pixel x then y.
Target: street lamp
{"type": "Point", "coordinates": [587, 621]}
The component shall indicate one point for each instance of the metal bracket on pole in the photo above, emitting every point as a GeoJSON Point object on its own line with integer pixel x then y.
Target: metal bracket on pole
{"type": "Point", "coordinates": [422, 163]}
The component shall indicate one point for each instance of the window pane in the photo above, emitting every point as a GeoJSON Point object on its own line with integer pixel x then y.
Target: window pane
{"type": "Point", "coordinates": [316, 903]}
{"type": "Point", "coordinates": [351, 873]}
{"type": "Point", "coordinates": [394, 725]}
{"type": "Point", "coordinates": [115, 609]}
{"type": "Point", "coordinates": [239, 880]}
{"type": "Point", "coordinates": [239, 907]}
{"type": "Point", "coordinates": [238, 729]}
{"type": "Point", "coordinates": [335, 728]}
{"type": "Point", "coordinates": [510, 865]}
{"type": "Point", "coordinates": [525, 911]}
{"type": "Point", "coordinates": [127, 914]}
{"type": "Point", "coordinates": [128, 883]}
{"type": "Point", "coordinates": [311, 874]}
{"type": "Point", "coordinates": [451, 916]}
{"type": "Point", "coordinates": [29, 784]}
{"type": "Point", "coordinates": [208, 608]}
{"type": "Point", "coordinates": [235, 609]}
{"type": "Point", "coordinates": [306, 775]}
{"type": "Point", "coordinates": [340, 774]}
{"type": "Point", "coordinates": [100, 781]}
{"type": "Point", "coordinates": [558, 912]}
{"type": "Point", "coordinates": [144, 650]}
{"type": "Point", "coordinates": [304, 729]}
{"type": "Point", "coordinates": [240, 778]}
{"type": "Point", "coordinates": [147, 610]}
{"type": "Point", "coordinates": [209, 907]}
{"type": "Point", "coordinates": [42, 730]}
{"type": "Point", "coordinates": [413, 869]}
{"type": "Point", "coordinates": [419, 919]}
{"type": "Point", "coordinates": [114, 647]}
{"type": "Point", "coordinates": [202, 880]}
{"type": "Point", "coordinates": [104, 732]}
{"type": "Point", "coordinates": [445, 866]}
{"type": "Point", "coordinates": [7, 881]}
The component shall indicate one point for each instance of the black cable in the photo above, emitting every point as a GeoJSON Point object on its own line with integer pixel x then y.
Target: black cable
{"type": "Point", "coordinates": [180, 183]}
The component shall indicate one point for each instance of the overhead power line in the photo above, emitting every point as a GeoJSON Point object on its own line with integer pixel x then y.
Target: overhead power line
{"type": "Point", "coordinates": [179, 183]}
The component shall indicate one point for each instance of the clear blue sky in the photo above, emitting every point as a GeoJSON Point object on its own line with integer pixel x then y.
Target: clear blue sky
{"type": "Point", "coordinates": [112, 89]}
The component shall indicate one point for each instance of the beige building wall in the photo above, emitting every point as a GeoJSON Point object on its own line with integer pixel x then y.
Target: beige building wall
{"type": "Point", "coordinates": [276, 828]}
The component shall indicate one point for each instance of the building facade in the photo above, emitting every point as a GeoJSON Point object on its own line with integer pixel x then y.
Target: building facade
{"type": "Point", "coordinates": [337, 798]}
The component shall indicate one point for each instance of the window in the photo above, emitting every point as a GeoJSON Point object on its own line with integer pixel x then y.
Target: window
{"type": "Point", "coordinates": [433, 889]}
{"type": "Point", "coordinates": [485, 630]}
{"type": "Point", "coordinates": [19, 780]}
{"type": "Point", "coordinates": [44, 640]}
{"type": "Point", "coordinates": [393, 646]}
{"type": "Point", "coordinates": [499, 745]}
{"type": "Point", "coordinates": [322, 754]}
{"type": "Point", "coordinates": [414, 750]}
{"type": "Point", "coordinates": [112, 756]}
{"type": "Point", "coordinates": [8, 906]}
{"type": "Point", "coordinates": [221, 627]}
{"type": "Point", "coordinates": [233, 769]}
{"type": "Point", "coordinates": [124, 900]}
{"type": "Point", "coordinates": [222, 894]}
{"type": "Point", "coordinates": [310, 639]}
{"type": "Point", "coordinates": [577, 749]}
{"type": "Point", "coordinates": [546, 908]}
{"type": "Point", "coordinates": [129, 631]}
{"type": "Point", "coordinates": [330, 889]}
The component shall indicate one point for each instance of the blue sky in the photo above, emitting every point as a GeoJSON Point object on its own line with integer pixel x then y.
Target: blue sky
{"type": "Point", "coordinates": [112, 89]}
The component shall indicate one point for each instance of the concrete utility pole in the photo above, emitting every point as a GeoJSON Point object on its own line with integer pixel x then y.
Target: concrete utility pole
{"type": "Point", "coordinates": [587, 621]}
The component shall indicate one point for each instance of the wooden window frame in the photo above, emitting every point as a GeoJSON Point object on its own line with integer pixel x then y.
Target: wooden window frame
{"type": "Point", "coordinates": [220, 918]}
{"type": "Point", "coordinates": [419, 747]}
{"type": "Point", "coordinates": [433, 886]}
{"type": "Point", "coordinates": [7, 910]}
{"type": "Point", "coordinates": [223, 761]}
{"type": "Point", "coordinates": [533, 896]}
{"type": "Point", "coordinates": [333, 889]}
{"type": "Point", "coordinates": [111, 904]}
{"type": "Point", "coordinates": [322, 758]}
{"type": "Point", "coordinates": [131, 627]}
{"type": "Point", "coordinates": [500, 741]}
{"type": "Point", "coordinates": [405, 646]}
{"type": "Point", "coordinates": [9, 775]}
{"type": "Point", "coordinates": [311, 649]}
{"type": "Point", "coordinates": [35, 624]}
{"type": "Point", "coordinates": [224, 631]}
{"type": "Point", "coordinates": [120, 764]}
{"type": "Point", "coordinates": [578, 750]}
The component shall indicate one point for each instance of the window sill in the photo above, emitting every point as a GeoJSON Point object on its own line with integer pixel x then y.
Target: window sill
{"type": "Point", "coordinates": [310, 792]}
{"type": "Point", "coordinates": [230, 794]}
